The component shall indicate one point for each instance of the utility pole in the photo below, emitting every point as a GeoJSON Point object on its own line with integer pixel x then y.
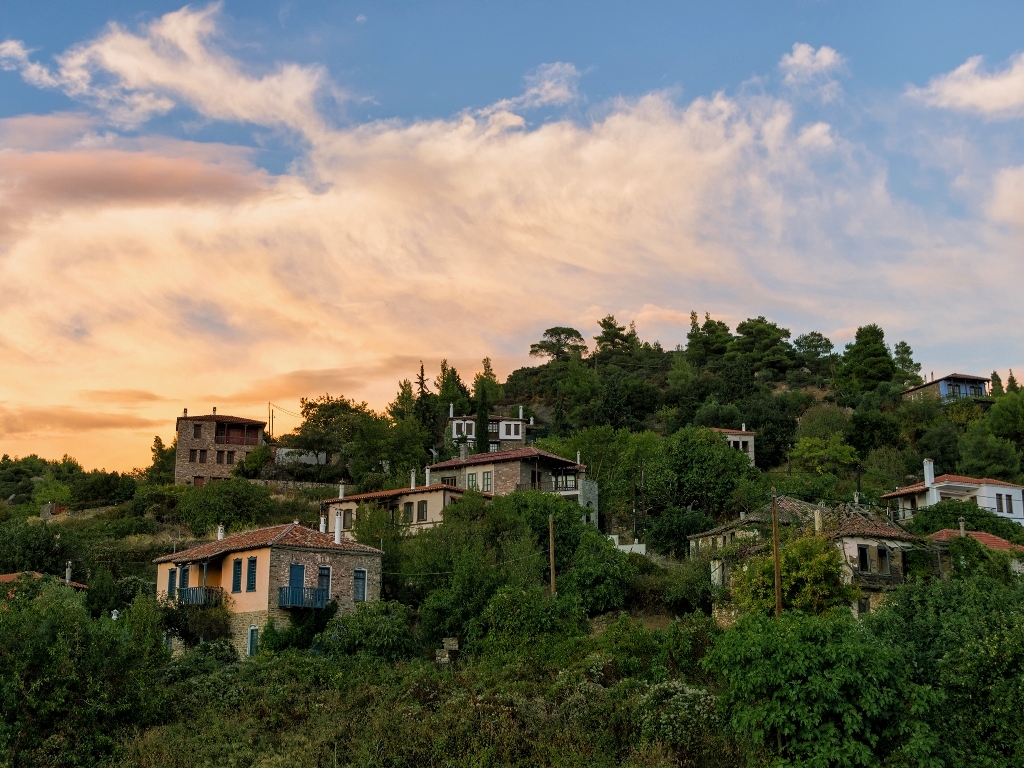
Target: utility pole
{"type": "Point", "coordinates": [551, 550]}
{"type": "Point", "coordinates": [778, 561]}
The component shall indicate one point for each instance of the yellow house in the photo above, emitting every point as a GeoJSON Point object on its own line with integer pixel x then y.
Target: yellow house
{"type": "Point", "coordinates": [418, 506]}
{"type": "Point", "coordinates": [268, 573]}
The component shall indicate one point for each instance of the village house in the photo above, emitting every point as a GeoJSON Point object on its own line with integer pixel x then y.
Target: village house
{"type": "Point", "coordinates": [418, 506]}
{"type": "Point", "coordinates": [951, 387]}
{"type": "Point", "coordinates": [210, 446]}
{"type": "Point", "coordinates": [941, 540]}
{"type": "Point", "coordinates": [739, 439]}
{"type": "Point", "coordinates": [504, 433]}
{"type": "Point", "coordinates": [269, 573]}
{"type": "Point", "coordinates": [521, 469]}
{"type": "Point", "coordinates": [998, 496]}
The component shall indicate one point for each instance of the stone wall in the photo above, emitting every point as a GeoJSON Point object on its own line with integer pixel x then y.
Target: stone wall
{"type": "Point", "coordinates": [276, 486]}
{"type": "Point", "coordinates": [240, 623]}
{"type": "Point", "coordinates": [185, 470]}
{"type": "Point", "coordinates": [343, 567]}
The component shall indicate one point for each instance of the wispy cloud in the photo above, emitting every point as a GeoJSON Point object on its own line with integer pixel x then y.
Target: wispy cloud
{"type": "Point", "coordinates": [549, 85]}
{"type": "Point", "coordinates": [969, 88]}
{"type": "Point", "coordinates": [805, 63]}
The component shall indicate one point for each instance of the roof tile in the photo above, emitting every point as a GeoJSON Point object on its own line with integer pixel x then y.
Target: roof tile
{"type": "Point", "coordinates": [497, 457]}
{"type": "Point", "coordinates": [290, 535]}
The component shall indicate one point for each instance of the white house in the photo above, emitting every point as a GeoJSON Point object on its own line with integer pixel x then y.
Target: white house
{"type": "Point", "coordinates": [739, 439]}
{"type": "Point", "coordinates": [997, 496]}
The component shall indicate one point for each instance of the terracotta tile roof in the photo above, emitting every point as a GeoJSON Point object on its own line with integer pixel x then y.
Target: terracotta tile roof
{"type": "Point", "coordinates": [222, 417]}
{"type": "Point", "coordinates": [498, 457]}
{"type": "Point", "coordinates": [395, 492]}
{"type": "Point", "coordinates": [988, 539]}
{"type": "Point", "coordinates": [916, 488]}
{"type": "Point", "coordinates": [290, 535]}
{"type": "Point", "coordinates": [10, 577]}
{"type": "Point", "coordinates": [856, 525]}
{"type": "Point", "coordinates": [731, 431]}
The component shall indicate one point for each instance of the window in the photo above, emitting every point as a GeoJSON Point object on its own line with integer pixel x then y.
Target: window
{"type": "Point", "coordinates": [192, 454]}
{"type": "Point", "coordinates": [458, 428]}
{"type": "Point", "coordinates": [999, 503]}
{"type": "Point", "coordinates": [954, 390]}
{"type": "Point", "coordinates": [515, 429]}
{"type": "Point", "coordinates": [198, 482]}
{"type": "Point", "coordinates": [172, 583]}
{"type": "Point", "coordinates": [508, 430]}
{"type": "Point", "coordinates": [863, 605]}
{"type": "Point", "coordinates": [254, 636]}
{"type": "Point", "coordinates": [745, 444]}
{"type": "Point", "coordinates": [976, 390]}
{"type": "Point", "coordinates": [250, 575]}
{"type": "Point", "coordinates": [471, 480]}
{"type": "Point", "coordinates": [1009, 504]}
{"type": "Point", "coordinates": [231, 457]}
{"type": "Point", "coordinates": [492, 426]}
{"type": "Point", "coordinates": [913, 502]}
{"type": "Point", "coordinates": [236, 575]}
{"type": "Point", "coordinates": [883, 560]}
{"type": "Point", "coordinates": [183, 582]}
{"type": "Point", "coordinates": [407, 512]}
{"type": "Point", "coordinates": [492, 448]}
{"type": "Point", "coordinates": [197, 431]}
{"type": "Point", "coordinates": [863, 564]}
{"type": "Point", "coordinates": [421, 511]}
{"type": "Point", "coordinates": [323, 580]}
{"type": "Point", "coordinates": [346, 519]}
{"type": "Point", "coordinates": [359, 586]}
{"type": "Point", "coordinates": [470, 429]}
{"type": "Point", "coordinates": [487, 482]}
{"type": "Point", "coordinates": [220, 457]}
{"type": "Point", "coordinates": [202, 455]}
{"type": "Point", "coordinates": [448, 481]}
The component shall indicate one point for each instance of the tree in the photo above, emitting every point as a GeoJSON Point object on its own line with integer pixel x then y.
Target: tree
{"type": "Point", "coordinates": [907, 370]}
{"type": "Point", "coordinates": [982, 454]}
{"type": "Point", "coordinates": [941, 443]}
{"type": "Point", "coordinates": [404, 404]}
{"type": "Point", "coordinates": [814, 350]}
{"type": "Point", "coordinates": [451, 390]}
{"type": "Point", "coordinates": [669, 532]}
{"type": "Point", "coordinates": [872, 429]}
{"type": "Point", "coordinates": [997, 385]}
{"type": "Point", "coordinates": [832, 456]}
{"type": "Point", "coordinates": [161, 469]}
{"type": "Point", "coordinates": [823, 421]}
{"type": "Point", "coordinates": [707, 470]}
{"type": "Point", "coordinates": [1011, 384]}
{"type": "Point", "coordinates": [866, 361]}
{"type": "Point", "coordinates": [50, 490]}
{"type": "Point", "coordinates": [761, 346]}
{"type": "Point", "coordinates": [947, 514]}
{"type": "Point", "coordinates": [707, 343]}
{"type": "Point", "coordinates": [613, 336]}
{"type": "Point", "coordinates": [251, 466]}
{"type": "Point", "coordinates": [227, 502]}
{"type": "Point", "coordinates": [1006, 418]}
{"type": "Point", "coordinates": [812, 579]}
{"type": "Point", "coordinates": [559, 343]}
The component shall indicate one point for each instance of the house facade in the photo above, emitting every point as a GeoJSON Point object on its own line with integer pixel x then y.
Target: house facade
{"type": "Point", "coordinates": [503, 472]}
{"type": "Point", "coordinates": [739, 439]}
{"type": "Point", "coordinates": [210, 446]}
{"type": "Point", "coordinates": [941, 540]}
{"type": "Point", "coordinates": [874, 553]}
{"type": "Point", "coordinates": [951, 387]}
{"type": "Point", "coordinates": [504, 433]}
{"type": "Point", "coordinates": [998, 496]}
{"type": "Point", "coordinates": [418, 506]}
{"type": "Point", "coordinates": [267, 574]}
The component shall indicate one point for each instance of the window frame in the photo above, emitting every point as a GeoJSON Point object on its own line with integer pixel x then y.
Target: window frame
{"type": "Point", "coordinates": [884, 561]}
{"type": "Point", "coordinates": [252, 641]}
{"type": "Point", "coordinates": [220, 457]}
{"type": "Point", "coordinates": [236, 576]}
{"type": "Point", "coordinates": [250, 574]}
{"type": "Point", "coordinates": [471, 481]}
{"type": "Point", "coordinates": [197, 431]}
{"type": "Point", "coordinates": [407, 512]}
{"type": "Point", "coordinates": [485, 485]}
{"type": "Point", "coordinates": [358, 576]}
{"type": "Point", "coordinates": [346, 519]}
{"type": "Point", "coordinates": [202, 455]}
{"type": "Point", "coordinates": [421, 511]}
{"type": "Point", "coordinates": [183, 577]}
{"type": "Point", "coordinates": [330, 577]}
{"type": "Point", "coordinates": [193, 455]}
{"type": "Point", "coordinates": [230, 458]}
{"type": "Point", "coordinates": [863, 559]}
{"type": "Point", "coordinates": [999, 503]}
{"type": "Point", "coordinates": [172, 583]}
{"type": "Point", "coordinates": [1009, 504]}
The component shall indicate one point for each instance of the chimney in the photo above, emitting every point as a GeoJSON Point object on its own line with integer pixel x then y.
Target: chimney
{"type": "Point", "coordinates": [531, 421]}
{"type": "Point", "coordinates": [426, 471]}
{"type": "Point", "coordinates": [451, 410]}
{"type": "Point", "coordinates": [412, 479]}
{"type": "Point", "coordinates": [215, 410]}
{"type": "Point", "coordinates": [743, 427]}
{"type": "Point", "coordinates": [520, 412]}
{"type": "Point", "coordinates": [743, 513]}
{"type": "Point", "coordinates": [963, 531]}
{"type": "Point", "coordinates": [185, 414]}
{"type": "Point", "coordinates": [577, 457]}
{"type": "Point", "coordinates": [341, 490]}
{"type": "Point", "coordinates": [323, 523]}
{"type": "Point", "coordinates": [856, 497]}
{"type": "Point", "coordinates": [929, 473]}
{"type": "Point", "coordinates": [817, 520]}
{"type": "Point", "coordinates": [220, 532]}
{"type": "Point", "coordinates": [337, 526]}
{"type": "Point", "coordinates": [67, 570]}
{"type": "Point", "coordinates": [463, 451]}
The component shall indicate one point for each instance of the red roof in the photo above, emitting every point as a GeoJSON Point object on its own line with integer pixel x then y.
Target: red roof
{"type": "Point", "coordinates": [290, 535]}
{"type": "Point", "coordinates": [988, 539]}
{"type": "Point", "coordinates": [9, 577]}
{"type": "Point", "coordinates": [221, 417]}
{"type": "Point", "coordinates": [396, 492]}
{"type": "Point", "coordinates": [731, 431]}
{"type": "Point", "coordinates": [916, 488]}
{"type": "Point", "coordinates": [498, 457]}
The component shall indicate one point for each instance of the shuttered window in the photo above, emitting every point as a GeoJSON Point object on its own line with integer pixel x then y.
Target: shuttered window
{"type": "Point", "coordinates": [184, 577]}
{"type": "Point", "coordinates": [359, 586]}
{"type": "Point", "coordinates": [421, 511]}
{"type": "Point", "coordinates": [236, 575]}
{"type": "Point", "coordinates": [172, 583]}
{"type": "Point", "coordinates": [250, 576]}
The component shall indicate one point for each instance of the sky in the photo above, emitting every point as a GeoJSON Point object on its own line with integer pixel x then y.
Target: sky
{"type": "Point", "coordinates": [235, 203]}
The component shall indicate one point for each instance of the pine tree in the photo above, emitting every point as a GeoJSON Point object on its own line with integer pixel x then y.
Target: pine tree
{"type": "Point", "coordinates": [1011, 383]}
{"type": "Point", "coordinates": [997, 385]}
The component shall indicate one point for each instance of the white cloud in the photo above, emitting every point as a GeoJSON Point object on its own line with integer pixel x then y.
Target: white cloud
{"type": "Point", "coordinates": [969, 88]}
{"type": "Point", "coordinates": [805, 64]}
{"type": "Point", "coordinates": [550, 85]}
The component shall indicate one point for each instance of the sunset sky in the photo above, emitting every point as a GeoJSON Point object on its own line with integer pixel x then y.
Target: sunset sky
{"type": "Point", "coordinates": [230, 204]}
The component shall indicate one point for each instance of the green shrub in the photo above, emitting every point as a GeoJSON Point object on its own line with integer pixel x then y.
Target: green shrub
{"type": "Point", "coordinates": [947, 514]}
{"type": "Point", "coordinates": [515, 617]}
{"type": "Point", "coordinates": [306, 625]}
{"type": "Point", "coordinates": [600, 574]}
{"type": "Point", "coordinates": [668, 533]}
{"type": "Point", "coordinates": [381, 629]}
{"type": "Point", "coordinates": [233, 503]}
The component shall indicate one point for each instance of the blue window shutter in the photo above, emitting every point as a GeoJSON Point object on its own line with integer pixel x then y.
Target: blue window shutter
{"type": "Point", "coordinates": [172, 583]}
{"type": "Point", "coordinates": [359, 586]}
{"type": "Point", "coordinates": [250, 576]}
{"type": "Point", "coordinates": [236, 575]}
{"type": "Point", "coordinates": [184, 577]}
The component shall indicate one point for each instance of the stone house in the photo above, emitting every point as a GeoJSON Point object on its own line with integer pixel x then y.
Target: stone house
{"type": "Point", "coordinates": [520, 469]}
{"type": "Point", "coordinates": [418, 506]}
{"type": "Point", "coordinates": [941, 540]}
{"type": "Point", "coordinates": [998, 496]}
{"type": "Point", "coordinates": [269, 573]}
{"type": "Point", "coordinates": [504, 433]}
{"type": "Point", "coordinates": [210, 446]}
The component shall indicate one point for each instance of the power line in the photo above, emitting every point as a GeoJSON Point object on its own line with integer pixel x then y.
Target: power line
{"type": "Point", "coordinates": [285, 410]}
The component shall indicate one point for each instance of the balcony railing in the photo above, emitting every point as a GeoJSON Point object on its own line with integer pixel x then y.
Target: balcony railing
{"type": "Point", "coordinates": [301, 597]}
{"type": "Point", "coordinates": [200, 596]}
{"type": "Point", "coordinates": [557, 485]}
{"type": "Point", "coordinates": [233, 440]}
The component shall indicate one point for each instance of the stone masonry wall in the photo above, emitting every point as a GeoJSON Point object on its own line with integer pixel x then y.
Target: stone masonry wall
{"type": "Point", "coordinates": [343, 567]}
{"type": "Point", "coordinates": [185, 470]}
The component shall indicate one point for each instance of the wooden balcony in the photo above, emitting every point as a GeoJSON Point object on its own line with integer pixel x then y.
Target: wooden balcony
{"type": "Point", "coordinates": [301, 597]}
{"type": "Point", "coordinates": [209, 596]}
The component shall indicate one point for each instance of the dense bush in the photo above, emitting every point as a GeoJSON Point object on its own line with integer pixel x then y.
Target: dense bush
{"type": "Point", "coordinates": [226, 502]}
{"type": "Point", "coordinates": [947, 514]}
{"type": "Point", "coordinates": [382, 630]}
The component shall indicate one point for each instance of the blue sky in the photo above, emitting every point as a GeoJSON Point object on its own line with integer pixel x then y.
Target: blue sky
{"type": "Point", "coordinates": [320, 194]}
